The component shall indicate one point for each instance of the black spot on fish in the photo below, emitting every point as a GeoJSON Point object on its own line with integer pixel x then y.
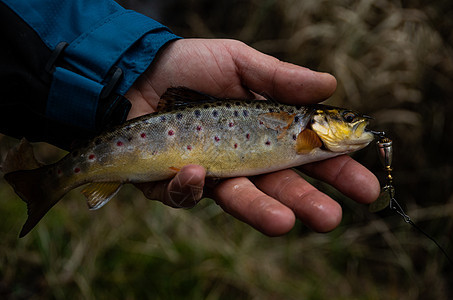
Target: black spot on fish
{"type": "Point", "coordinates": [129, 139]}
{"type": "Point", "coordinates": [238, 103]}
{"type": "Point", "coordinates": [296, 119]}
{"type": "Point", "coordinates": [228, 105]}
{"type": "Point", "coordinates": [163, 119]}
{"type": "Point", "coordinates": [248, 101]}
{"type": "Point", "coordinates": [215, 113]}
{"type": "Point", "coordinates": [258, 106]}
{"type": "Point", "coordinates": [236, 113]}
{"type": "Point", "coordinates": [197, 113]}
{"type": "Point", "coordinates": [179, 116]}
{"type": "Point", "coordinates": [294, 137]}
{"type": "Point", "coordinates": [245, 113]}
{"type": "Point", "coordinates": [206, 106]}
{"type": "Point", "coordinates": [271, 110]}
{"type": "Point", "coordinates": [98, 141]}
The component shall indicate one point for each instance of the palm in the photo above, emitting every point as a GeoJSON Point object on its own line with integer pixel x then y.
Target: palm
{"type": "Point", "coordinates": [227, 68]}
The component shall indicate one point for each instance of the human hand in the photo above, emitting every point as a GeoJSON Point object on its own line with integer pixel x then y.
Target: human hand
{"type": "Point", "coordinates": [269, 202]}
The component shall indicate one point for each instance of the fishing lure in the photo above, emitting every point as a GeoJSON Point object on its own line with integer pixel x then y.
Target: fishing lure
{"type": "Point", "coordinates": [387, 195]}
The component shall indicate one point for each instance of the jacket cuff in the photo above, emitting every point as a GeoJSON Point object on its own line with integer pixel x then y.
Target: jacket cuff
{"type": "Point", "coordinates": [127, 41]}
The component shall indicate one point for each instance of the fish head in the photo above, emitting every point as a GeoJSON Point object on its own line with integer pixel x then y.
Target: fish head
{"type": "Point", "coordinates": [341, 130]}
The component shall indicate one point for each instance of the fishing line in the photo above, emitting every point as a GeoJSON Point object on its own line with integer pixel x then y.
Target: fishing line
{"type": "Point", "coordinates": [387, 196]}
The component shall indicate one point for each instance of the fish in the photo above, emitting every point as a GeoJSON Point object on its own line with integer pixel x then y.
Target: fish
{"type": "Point", "coordinates": [228, 137]}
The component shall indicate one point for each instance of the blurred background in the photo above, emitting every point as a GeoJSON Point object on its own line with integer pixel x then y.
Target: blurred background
{"type": "Point", "coordinates": [393, 60]}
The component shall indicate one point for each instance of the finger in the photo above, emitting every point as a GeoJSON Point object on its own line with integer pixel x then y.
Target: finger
{"type": "Point", "coordinates": [347, 176]}
{"type": "Point", "coordinates": [240, 198]}
{"type": "Point", "coordinates": [315, 209]}
{"type": "Point", "coordinates": [283, 81]}
{"type": "Point", "coordinates": [184, 190]}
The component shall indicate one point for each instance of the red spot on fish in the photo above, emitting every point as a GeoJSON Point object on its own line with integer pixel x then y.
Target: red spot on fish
{"type": "Point", "coordinates": [198, 128]}
{"type": "Point", "coordinates": [268, 143]}
{"type": "Point", "coordinates": [143, 135]}
{"type": "Point", "coordinates": [171, 132]}
{"type": "Point", "coordinates": [91, 157]}
{"type": "Point", "coordinates": [261, 123]}
{"type": "Point", "coordinates": [247, 136]}
{"type": "Point", "coordinates": [216, 138]}
{"type": "Point", "coordinates": [76, 170]}
{"type": "Point", "coordinates": [119, 143]}
{"type": "Point", "coordinates": [189, 147]}
{"type": "Point", "coordinates": [235, 146]}
{"type": "Point", "coordinates": [231, 124]}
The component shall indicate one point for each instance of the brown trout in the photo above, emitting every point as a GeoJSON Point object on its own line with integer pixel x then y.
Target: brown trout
{"type": "Point", "coordinates": [227, 137]}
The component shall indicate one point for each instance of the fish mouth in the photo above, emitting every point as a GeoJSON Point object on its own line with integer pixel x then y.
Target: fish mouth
{"type": "Point", "coordinates": [360, 128]}
{"type": "Point", "coordinates": [361, 135]}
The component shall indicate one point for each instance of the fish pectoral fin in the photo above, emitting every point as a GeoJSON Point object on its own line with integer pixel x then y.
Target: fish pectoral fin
{"type": "Point", "coordinates": [307, 140]}
{"type": "Point", "coordinates": [99, 193]}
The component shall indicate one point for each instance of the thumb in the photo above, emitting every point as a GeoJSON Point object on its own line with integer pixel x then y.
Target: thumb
{"type": "Point", "coordinates": [183, 191]}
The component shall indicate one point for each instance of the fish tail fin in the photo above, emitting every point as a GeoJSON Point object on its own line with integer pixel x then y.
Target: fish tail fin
{"type": "Point", "coordinates": [36, 189]}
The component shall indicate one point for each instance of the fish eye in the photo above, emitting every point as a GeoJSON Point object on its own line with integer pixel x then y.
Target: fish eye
{"type": "Point", "coordinates": [349, 116]}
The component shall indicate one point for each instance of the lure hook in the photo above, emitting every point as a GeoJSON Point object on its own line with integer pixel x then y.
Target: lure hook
{"type": "Point", "coordinates": [387, 196]}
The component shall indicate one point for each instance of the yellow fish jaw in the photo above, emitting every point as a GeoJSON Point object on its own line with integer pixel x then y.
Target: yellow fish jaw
{"type": "Point", "coordinates": [341, 131]}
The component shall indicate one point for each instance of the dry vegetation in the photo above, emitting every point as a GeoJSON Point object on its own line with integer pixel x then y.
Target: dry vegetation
{"type": "Point", "coordinates": [393, 60]}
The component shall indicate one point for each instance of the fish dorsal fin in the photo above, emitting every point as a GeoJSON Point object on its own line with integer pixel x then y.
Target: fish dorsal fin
{"type": "Point", "coordinates": [269, 98]}
{"type": "Point", "coordinates": [182, 96]}
{"type": "Point", "coordinates": [306, 141]}
{"type": "Point", "coordinates": [99, 193]}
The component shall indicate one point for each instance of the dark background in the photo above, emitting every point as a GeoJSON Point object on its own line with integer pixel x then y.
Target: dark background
{"type": "Point", "coordinates": [393, 60]}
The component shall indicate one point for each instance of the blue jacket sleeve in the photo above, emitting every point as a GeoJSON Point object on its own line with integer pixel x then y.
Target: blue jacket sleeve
{"type": "Point", "coordinates": [103, 42]}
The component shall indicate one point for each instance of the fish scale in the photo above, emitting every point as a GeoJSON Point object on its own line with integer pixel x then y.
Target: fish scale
{"type": "Point", "coordinates": [227, 137]}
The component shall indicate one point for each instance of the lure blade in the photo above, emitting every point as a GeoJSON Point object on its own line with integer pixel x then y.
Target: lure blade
{"type": "Point", "coordinates": [383, 201]}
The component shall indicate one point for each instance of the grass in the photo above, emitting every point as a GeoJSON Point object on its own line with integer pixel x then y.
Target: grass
{"type": "Point", "coordinates": [392, 59]}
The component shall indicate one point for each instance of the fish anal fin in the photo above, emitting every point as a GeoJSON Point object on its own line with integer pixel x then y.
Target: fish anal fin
{"type": "Point", "coordinates": [279, 121]}
{"type": "Point", "coordinates": [306, 141]}
{"type": "Point", "coordinates": [99, 193]}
